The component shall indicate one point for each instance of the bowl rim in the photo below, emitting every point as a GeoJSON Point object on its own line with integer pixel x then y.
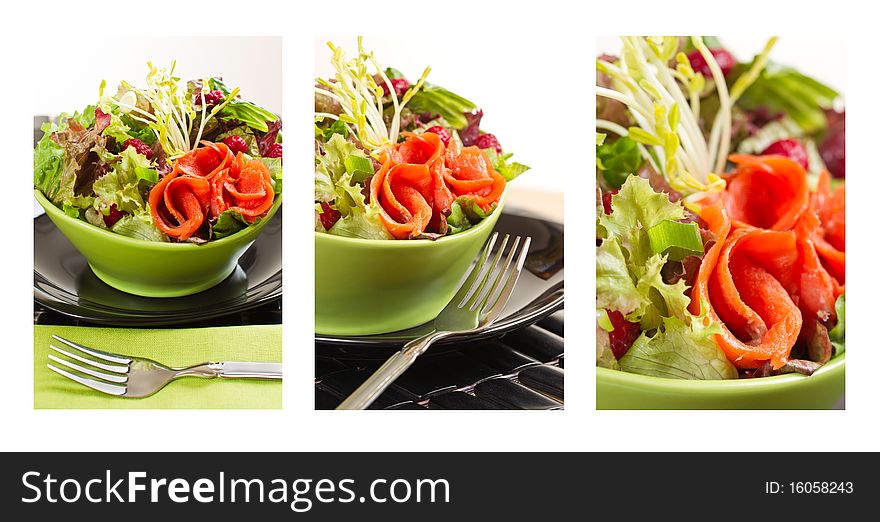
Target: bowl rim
{"type": "Point", "coordinates": [89, 228]}
{"type": "Point", "coordinates": [415, 243]}
{"type": "Point", "coordinates": [608, 375]}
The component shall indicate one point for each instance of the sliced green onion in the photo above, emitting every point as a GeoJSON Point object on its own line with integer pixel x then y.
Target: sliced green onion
{"type": "Point", "coordinates": [676, 240]}
{"type": "Point", "coordinates": [359, 167]}
{"type": "Point", "coordinates": [603, 320]}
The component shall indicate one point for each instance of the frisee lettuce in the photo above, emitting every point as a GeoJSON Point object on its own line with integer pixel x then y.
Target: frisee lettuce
{"type": "Point", "coordinates": [679, 351]}
{"type": "Point", "coordinates": [334, 185]}
{"type": "Point", "coordinates": [674, 343]}
{"type": "Point", "coordinates": [120, 186]}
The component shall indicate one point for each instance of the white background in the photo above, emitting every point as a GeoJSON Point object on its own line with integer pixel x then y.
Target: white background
{"type": "Point", "coordinates": [546, 50]}
{"type": "Point", "coordinates": [499, 75]}
{"type": "Point", "coordinates": [823, 58]}
{"type": "Point", "coordinates": [252, 63]}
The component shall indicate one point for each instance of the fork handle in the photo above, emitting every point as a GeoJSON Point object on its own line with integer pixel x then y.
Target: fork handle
{"type": "Point", "coordinates": [246, 370]}
{"type": "Point", "coordinates": [232, 370]}
{"type": "Point", "coordinates": [393, 368]}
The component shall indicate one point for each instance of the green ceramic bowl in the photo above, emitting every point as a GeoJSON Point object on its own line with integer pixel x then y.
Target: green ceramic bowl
{"type": "Point", "coordinates": [616, 390]}
{"type": "Point", "coordinates": [365, 287]}
{"type": "Point", "coordinates": [149, 268]}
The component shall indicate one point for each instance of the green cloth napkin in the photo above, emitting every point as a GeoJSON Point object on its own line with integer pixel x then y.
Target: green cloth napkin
{"type": "Point", "coordinates": [171, 347]}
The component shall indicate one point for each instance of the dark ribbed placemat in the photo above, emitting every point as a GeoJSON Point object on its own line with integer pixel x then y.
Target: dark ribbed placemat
{"type": "Point", "coordinates": [522, 370]}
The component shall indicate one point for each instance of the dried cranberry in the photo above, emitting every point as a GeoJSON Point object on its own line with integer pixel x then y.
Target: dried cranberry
{"type": "Point", "coordinates": [274, 151]}
{"type": "Point", "coordinates": [488, 141]}
{"type": "Point", "coordinates": [329, 216]}
{"type": "Point", "coordinates": [624, 334]}
{"type": "Point", "coordinates": [790, 148]}
{"type": "Point", "coordinates": [400, 86]}
{"type": "Point", "coordinates": [442, 132]}
{"type": "Point", "coordinates": [114, 216]}
{"type": "Point", "coordinates": [606, 201]}
{"type": "Point", "coordinates": [725, 60]}
{"type": "Point", "coordinates": [139, 147]}
{"type": "Point", "coordinates": [211, 98]}
{"type": "Point", "coordinates": [236, 144]}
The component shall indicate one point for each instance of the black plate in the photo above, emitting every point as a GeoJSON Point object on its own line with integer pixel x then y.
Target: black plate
{"type": "Point", "coordinates": [539, 292]}
{"type": "Point", "coordinates": [63, 282]}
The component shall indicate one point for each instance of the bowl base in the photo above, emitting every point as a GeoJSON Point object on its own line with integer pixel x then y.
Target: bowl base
{"type": "Point", "coordinates": [153, 290]}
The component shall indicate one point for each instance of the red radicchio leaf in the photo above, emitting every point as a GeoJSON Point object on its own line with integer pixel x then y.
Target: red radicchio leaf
{"type": "Point", "coordinates": [102, 120]}
{"type": "Point", "coordinates": [470, 133]}
{"type": "Point", "coordinates": [268, 139]}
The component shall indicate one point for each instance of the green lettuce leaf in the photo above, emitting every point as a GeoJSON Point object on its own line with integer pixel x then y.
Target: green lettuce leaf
{"type": "Point", "coordinates": [510, 170]}
{"type": "Point", "coordinates": [229, 222]}
{"type": "Point", "coordinates": [360, 224]}
{"type": "Point", "coordinates": [245, 112]}
{"type": "Point", "coordinates": [139, 226]}
{"type": "Point", "coordinates": [337, 127]}
{"type": "Point", "coordinates": [48, 163]}
{"type": "Point", "coordinates": [604, 356]}
{"type": "Point", "coordinates": [334, 185]}
{"type": "Point", "coordinates": [783, 89]}
{"type": "Point", "coordinates": [636, 209]}
{"type": "Point", "coordinates": [120, 186]}
{"type": "Point", "coordinates": [838, 333]}
{"type": "Point", "coordinates": [615, 289]}
{"type": "Point", "coordinates": [274, 165]}
{"type": "Point", "coordinates": [618, 160]}
{"type": "Point", "coordinates": [629, 279]}
{"type": "Point", "coordinates": [679, 351]}
{"type": "Point", "coordinates": [86, 118]}
{"type": "Point", "coordinates": [138, 130]}
{"type": "Point", "coordinates": [437, 100]}
{"type": "Point", "coordinates": [117, 130]}
{"type": "Point", "coordinates": [465, 213]}
{"type": "Point", "coordinates": [660, 298]}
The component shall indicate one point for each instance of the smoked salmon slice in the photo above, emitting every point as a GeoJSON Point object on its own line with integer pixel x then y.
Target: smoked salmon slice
{"type": "Point", "coordinates": [420, 178]}
{"type": "Point", "coordinates": [179, 204]}
{"type": "Point", "coordinates": [759, 321]}
{"type": "Point", "coordinates": [206, 182]}
{"type": "Point", "coordinates": [830, 236]}
{"type": "Point", "coordinates": [772, 276]}
{"type": "Point", "coordinates": [766, 191]}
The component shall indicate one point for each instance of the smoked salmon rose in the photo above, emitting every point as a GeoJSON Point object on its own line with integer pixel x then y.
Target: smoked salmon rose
{"type": "Point", "coordinates": [205, 183]}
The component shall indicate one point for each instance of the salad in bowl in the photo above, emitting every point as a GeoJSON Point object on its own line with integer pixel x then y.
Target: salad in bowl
{"type": "Point", "coordinates": [401, 160]}
{"type": "Point", "coordinates": [408, 187]}
{"type": "Point", "coordinates": [721, 218]}
{"type": "Point", "coordinates": [184, 174]}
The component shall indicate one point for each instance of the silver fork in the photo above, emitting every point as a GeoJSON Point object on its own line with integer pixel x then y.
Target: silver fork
{"type": "Point", "coordinates": [136, 377]}
{"type": "Point", "coordinates": [477, 304]}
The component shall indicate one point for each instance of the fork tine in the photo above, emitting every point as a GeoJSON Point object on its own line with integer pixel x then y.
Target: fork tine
{"type": "Point", "coordinates": [103, 366]}
{"type": "Point", "coordinates": [463, 293]}
{"type": "Point", "coordinates": [107, 356]}
{"type": "Point", "coordinates": [111, 389]}
{"type": "Point", "coordinates": [477, 289]}
{"type": "Point", "coordinates": [492, 309]}
{"type": "Point", "coordinates": [479, 303]}
{"type": "Point", "coordinates": [88, 371]}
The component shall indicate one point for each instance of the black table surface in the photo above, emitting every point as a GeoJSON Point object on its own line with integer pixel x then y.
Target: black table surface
{"type": "Point", "coordinates": [524, 370]}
